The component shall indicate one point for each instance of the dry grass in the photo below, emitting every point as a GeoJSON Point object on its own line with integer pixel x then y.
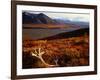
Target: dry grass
{"type": "Point", "coordinates": [72, 51]}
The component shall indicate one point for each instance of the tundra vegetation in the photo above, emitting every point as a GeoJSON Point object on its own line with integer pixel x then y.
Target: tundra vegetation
{"type": "Point", "coordinates": [73, 51]}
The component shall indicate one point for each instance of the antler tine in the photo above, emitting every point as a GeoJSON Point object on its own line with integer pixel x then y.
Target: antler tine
{"type": "Point", "coordinates": [39, 50]}
{"type": "Point", "coordinates": [36, 51]}
{"type": "Point", "coordinates": [34, 54]}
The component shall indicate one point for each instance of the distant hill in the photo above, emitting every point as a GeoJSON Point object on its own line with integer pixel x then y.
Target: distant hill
{"type": "Point", "coordinates": [36, 18]}
{"type": "Point", "coordinates": [80, 24]}
{"type": "Point", "coordinates": [74, 33]}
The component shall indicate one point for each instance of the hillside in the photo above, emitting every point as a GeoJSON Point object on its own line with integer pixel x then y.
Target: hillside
{"type": "Point", "coordinates": [74, 33]}
{"type": "Point", "coordinates": [72, 51]}
{"type": "Point", "coordinates": [36, 18]}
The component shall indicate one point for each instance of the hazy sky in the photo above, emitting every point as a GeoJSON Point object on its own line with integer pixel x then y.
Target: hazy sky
{"type": "Point", "coordinates": [64, 15]}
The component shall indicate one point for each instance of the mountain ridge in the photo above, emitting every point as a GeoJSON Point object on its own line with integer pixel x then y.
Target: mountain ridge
{"type": "Point", "coordinates": [36, 18]}
{"type": "Point", "coordinates": [41, 18]}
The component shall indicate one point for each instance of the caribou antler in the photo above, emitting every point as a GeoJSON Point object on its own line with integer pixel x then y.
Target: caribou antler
{"type": "Point", "coordinates": [38, 53]}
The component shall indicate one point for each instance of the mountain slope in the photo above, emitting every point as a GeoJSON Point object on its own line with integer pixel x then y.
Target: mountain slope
{"type": "Point", "coordinates": [75, 33]}
{"type": "Point", "coordinates": [36, 18]}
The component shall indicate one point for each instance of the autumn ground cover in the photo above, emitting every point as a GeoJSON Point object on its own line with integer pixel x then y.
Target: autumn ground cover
{"type": "Point", "coordinates": [72, 51]}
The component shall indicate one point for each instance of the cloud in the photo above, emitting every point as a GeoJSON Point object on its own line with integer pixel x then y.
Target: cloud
{"type": "Point", "coordinates": [79, 19]}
